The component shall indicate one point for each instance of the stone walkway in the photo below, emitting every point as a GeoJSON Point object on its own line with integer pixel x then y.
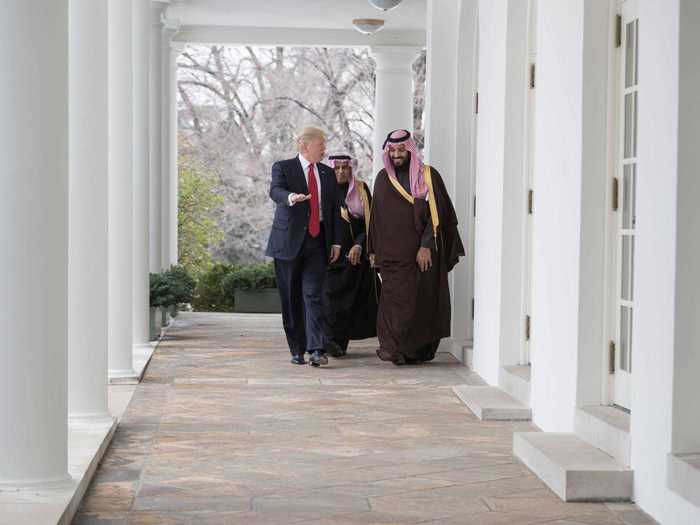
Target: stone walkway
{"type": "Point", "coordinates": [223, 430]}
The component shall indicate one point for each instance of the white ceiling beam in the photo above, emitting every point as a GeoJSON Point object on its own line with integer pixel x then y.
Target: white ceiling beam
{"type": "Point", "coordinates": [276, 36]}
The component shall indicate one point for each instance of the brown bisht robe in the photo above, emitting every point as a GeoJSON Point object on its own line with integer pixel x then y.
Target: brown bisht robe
{"type": "Point", "coordinates": [351, 293]}
{"type": "Point", "coordinates": [414, 306]}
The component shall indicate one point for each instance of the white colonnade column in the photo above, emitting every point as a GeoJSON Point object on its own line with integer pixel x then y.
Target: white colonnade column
{"type": "Point", "coordinates": [121, 366]}
{"type": "Point", "coordinates": [393, 100]}
{"type": "Point", "coordinates": [175, 50]}
{"type": "Point", "coordinates": [170, 29]}
{"type": "Point", "coordinates": [140, 52]}
{"type": "Point", "coordinates": [155, 108]}
{"type": "Point", "coordinates": [88, 214]}
{"type": "Point", "coordinates": [34, 237]}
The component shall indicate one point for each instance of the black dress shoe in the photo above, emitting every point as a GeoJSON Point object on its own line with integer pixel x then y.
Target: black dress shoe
{"type": "Point", "coordinates": [333, 349]}
{"type": "Point", "coordinates": [317, 358]}
{"type": "Point", "coordinates": [298, 359]}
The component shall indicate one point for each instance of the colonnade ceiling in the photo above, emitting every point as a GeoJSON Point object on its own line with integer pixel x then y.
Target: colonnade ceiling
{"type": "Point", "coordinates": [298, 22]}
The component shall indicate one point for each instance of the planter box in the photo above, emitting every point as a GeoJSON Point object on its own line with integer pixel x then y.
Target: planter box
{"type": "Point", "coordinates": [154, 323]}
{"type": "Point", "coordinates": [164, 321]}
{"type": "Point", "coordinates": [263, 301]}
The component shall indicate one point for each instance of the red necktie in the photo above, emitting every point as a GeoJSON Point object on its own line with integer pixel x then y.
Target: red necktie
{"type": "Point", "coordinates": [315, 217]}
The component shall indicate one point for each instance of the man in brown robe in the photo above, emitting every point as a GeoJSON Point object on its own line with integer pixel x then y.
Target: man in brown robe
{"type": "Point", "coordinates": [414, 242]}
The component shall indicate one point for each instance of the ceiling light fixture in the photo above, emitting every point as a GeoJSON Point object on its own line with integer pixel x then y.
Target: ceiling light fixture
{"type": "Point", "coordinates": [368, 25]}
{"type": "Point", "coordinates": [385, 5]}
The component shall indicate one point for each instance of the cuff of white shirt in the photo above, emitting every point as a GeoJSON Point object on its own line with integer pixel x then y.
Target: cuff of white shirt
{"type": "Point", "coordinates": [289, 199]}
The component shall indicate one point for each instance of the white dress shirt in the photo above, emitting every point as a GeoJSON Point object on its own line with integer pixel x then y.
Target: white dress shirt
{"type": "Point", "coordinates": [305, 167]}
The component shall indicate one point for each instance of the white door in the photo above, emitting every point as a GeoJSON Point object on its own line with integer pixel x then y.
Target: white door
{"type": "Point", "coordinates": [626, 183]}
{"type": "Point", "coordinates": [526, 349]}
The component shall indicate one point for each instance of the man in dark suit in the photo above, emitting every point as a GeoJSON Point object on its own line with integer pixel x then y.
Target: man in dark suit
{"type": "Point", "coordinates": [303, 240]}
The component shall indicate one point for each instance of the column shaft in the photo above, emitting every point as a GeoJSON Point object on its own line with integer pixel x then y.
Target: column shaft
{"type": "Point", "coordinates": [140, 52]}
{"type": "Point", "coordinates": [120, 190]}
{"type": "Point", "coordinates": [393, 100]}
{"type": "Point", "coordinates": [88, 217]}
{"type": "Point", "coordinates": [34, 237]}
{"type": "Point", "coordinates": [175, 50]}
{"type": "Point", "coordinates": [170, 28]}
{"type": "Point", "coordinates": [155, 131]}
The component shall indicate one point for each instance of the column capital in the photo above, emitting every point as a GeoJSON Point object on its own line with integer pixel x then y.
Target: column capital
{"type": "Point", "coordinates": [394, 58]}
{"type": "Point", "coordinates": [170, 27]}
{"type": "Point", "coordinates": [158, 8]}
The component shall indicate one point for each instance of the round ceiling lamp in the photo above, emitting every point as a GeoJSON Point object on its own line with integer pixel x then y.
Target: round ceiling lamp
{"type": "Point", "coordinates": [384, 5]}
{"type": "Point", "coordinates": [368, 25]}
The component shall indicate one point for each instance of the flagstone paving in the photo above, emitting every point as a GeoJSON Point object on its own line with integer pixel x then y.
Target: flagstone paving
{"type": "Point", "coordinates": [223, 430]}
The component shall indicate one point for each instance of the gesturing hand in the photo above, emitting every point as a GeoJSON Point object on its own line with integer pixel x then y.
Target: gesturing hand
{"type": "Point", "coordinates": [298, 197]}
{"type": "Point", "coordinates": [335, 253]}
{"type": "Point", "coordinates": [354, 255]}
{"type": "Point", "coordinates": [424, 259]}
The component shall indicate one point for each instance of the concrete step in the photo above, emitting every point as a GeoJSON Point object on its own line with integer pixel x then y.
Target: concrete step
{"type": "Point", "coordinates": [574, 469]}
{"type": "Point", "coordinates": [684, 476]}
{"type": "Point", "coordinates": [515, 380]}
{"type": "Point", "coordinates": [607, 428]}
{"type": "Point", "coordinates": [492, 403]}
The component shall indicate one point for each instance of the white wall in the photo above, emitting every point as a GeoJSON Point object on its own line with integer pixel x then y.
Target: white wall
{"type": "Point", "coordinates": [449, 131]}
{"type": "Point", "coordinates": [568, 222]}
{"type": "Point", "coordinates": [441, 86]}
{"type": "Point", "coordinates": [465, 133]}
{"type": "Point", "coordinates": [667, 167]}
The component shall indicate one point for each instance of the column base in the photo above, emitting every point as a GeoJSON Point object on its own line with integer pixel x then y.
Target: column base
{"type": "Point", "coordinates": [58, 502]}
{"type": "Point", "coordinates": [58, 483]}
{"type": "Point", "coordinates": [142, 353]}
{"type": "Point", "coordinates": [90, 421]}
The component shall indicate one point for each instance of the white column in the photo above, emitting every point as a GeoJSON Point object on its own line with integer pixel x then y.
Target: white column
{"type": "Point", "coordinates": [499, 329]}
{"type": "Point", "coordinates": [665, 357]}
{"type": "Point", "coordinates": [168, 141]}
{"type": "Point", "coordinates": [393, 99]}
{"type": "Point", "coordinates": [568, 228]}
{"type": "Point", "coordinates": [120, 190]}
{"type": "Point", "coordinates": [155, 79]}
{"type": "Point", "coordinates": [140, 52]}
{"type": "Point", "coordinates": [175, 50]}
{"type": "Point", "coordinates": [34, 239]}
{"type": "Point", "coordinates": [88, 218]}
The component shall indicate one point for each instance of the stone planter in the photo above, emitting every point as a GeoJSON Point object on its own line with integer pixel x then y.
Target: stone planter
{"type": "Point", "coordinates": [262, 301]}
{"type": "Point", "coordinates": [163, 317]}
{"type": "Point", "coordinates": [172, 310]}
{"type": "Point", "coordinates": [154, 325]}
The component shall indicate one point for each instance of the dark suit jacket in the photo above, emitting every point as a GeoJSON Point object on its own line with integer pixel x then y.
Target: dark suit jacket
{"type": "Point", "coordinates": [291, 222]}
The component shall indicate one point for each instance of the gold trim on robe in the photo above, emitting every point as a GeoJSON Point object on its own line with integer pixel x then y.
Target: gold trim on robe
{"type": "Point", "coordinates": [434, 217]}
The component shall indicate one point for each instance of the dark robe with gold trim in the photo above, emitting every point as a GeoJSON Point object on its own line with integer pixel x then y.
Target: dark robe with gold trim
{"type": "Point", "coordinates": [414, 306]}
{"type": "Point", "coordinates": [351, 292]}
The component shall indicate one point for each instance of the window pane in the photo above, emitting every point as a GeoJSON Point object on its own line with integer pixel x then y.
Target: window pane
{"type": "Point", "coordinates": [631, 268]}
{"type": "Point", "coordinates": [629, 350]}
{"type": "Point", "coordinates": [625, 323]}
{"type": "Point", "coordinates": [629, 183]}
{"type": "Point", "coordinates": [630, 125]}
{"type": "Point", "coordinates": [626, 267]}
{"type": "Point", "coordinates": [631, 54]}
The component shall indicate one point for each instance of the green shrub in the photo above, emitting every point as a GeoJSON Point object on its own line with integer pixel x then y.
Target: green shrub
{"type": "Point", "coordinates": [250, 277]}
{"type": "Point", "coordinates": [209, 294]}
{"type": "Point", "coordinates": [181, 283]}
{"type": "Point", "coordinates": [161, 293]}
